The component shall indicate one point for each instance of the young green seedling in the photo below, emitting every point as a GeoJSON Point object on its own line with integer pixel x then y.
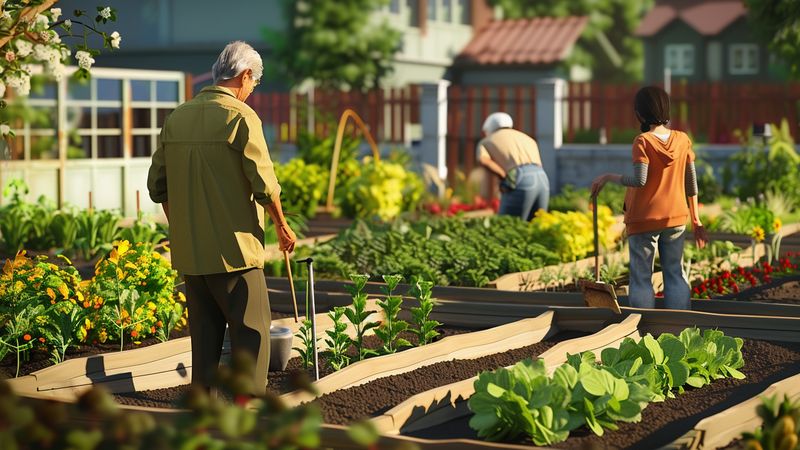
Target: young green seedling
{"type": "Point", "coordinates": [338, 341]}
{"type": "Point", "coordinates": [307, 350]}
{"type": "Point", "coordinates": [425, 329]}
{"type": "Point", "coordinates": [390, 329]}
{"type": "Point", "coordinates": [357, 314]}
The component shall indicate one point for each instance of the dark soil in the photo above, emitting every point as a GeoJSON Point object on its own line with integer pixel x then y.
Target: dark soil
{"type": "Point", "coordinates": [784, 290]}
{"type": "Point", "coordinates": [40, 359]}
{"type": "Point", "coordinates": [279, 382]}
{"type": "Point", "coordinates": [765, 363]}
{"type": "Point", "coordinates": [378, 396]}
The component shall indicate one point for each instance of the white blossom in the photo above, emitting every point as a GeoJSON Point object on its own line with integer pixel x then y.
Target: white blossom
{"type": "Point", "coordinates": [68, 24]}
{"type": "Point", "coordinates": [65, 53]}
{"type": "Point", "coordinates": [105, 13]}
{"type": "Point", "coordinates": [40, 23]}
{"type": "Point", "coordinates": [6, 17]}
{"type": "Point", "coordinates": [58, 70]}
{"type": "Point", "coordinates": [4, 128]}
{"type": "Point", "coordinates": [20, 83]}
{"type": "Point", "coordinates": [24, 48]}
{"type": "Point", "coordinates": [85, 59]}
{"type": "Point", "coordinates": [115, 39]}
{"type": "Point", "coordinates": [2, 89]}
{"type": "Point", "coordinates": [56, 12]}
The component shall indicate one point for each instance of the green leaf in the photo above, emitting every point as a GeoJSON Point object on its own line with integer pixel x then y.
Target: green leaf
{"type": "Point", "coordinates": [654, 348]}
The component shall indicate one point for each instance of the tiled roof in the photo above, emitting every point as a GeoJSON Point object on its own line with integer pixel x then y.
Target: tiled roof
{"type": "Point", "coordinates": [542, 40]}
{"type": "Point", "coordinates": [707, 17]}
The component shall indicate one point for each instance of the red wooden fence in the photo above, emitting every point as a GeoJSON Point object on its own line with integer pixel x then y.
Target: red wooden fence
{"type": "Point", "coordinates": [387, 113]}
{"type": "Point", "coordinates": [467, 108]}
{"type": "Point", "coordinates": [711, 112]}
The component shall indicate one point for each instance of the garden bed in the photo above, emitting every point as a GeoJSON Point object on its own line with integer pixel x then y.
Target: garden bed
{"type": "Point", "coordinates": [783, 290]}
{"type": "Point", "coordinates": [662, 423]}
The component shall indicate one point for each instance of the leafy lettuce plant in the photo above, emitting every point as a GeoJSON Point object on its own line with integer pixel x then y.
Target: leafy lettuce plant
{"type": "Point", "coordinates": [523, 400]}
{"type": "Point", "coordinates": [711, 355]}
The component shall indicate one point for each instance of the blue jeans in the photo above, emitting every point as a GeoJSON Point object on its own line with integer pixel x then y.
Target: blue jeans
{"type": "Point", "coordinates": [670, 252]}
{"type": "Point", "coordinates": [531, 193]}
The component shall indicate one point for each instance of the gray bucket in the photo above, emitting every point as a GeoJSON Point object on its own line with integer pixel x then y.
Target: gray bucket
{"type": "Point", "coordinates": [280, 347]}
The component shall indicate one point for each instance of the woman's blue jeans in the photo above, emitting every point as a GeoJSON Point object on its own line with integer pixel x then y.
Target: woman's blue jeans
{"type": "Point", "coordinates": [670, 253]}
{"type": "Point", "coordinates": [531, 194]}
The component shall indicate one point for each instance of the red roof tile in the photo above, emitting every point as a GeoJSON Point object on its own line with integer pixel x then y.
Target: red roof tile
{"type": "Point", "coordinates": [542, 40]}
{"type": "Point", "coordinates": [707, 17]}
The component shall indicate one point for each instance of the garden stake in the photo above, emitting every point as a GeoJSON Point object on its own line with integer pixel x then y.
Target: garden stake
{"type": "Point", "coordinates": [313, 308]}
{"type": "Point", "coordinates": [291, 285]}
{"type": "Point", "coordinates": [598, 294]}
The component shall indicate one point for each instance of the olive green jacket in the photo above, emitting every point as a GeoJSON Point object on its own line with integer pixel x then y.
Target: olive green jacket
{"type": "Point", "coordinates": [213, 167]}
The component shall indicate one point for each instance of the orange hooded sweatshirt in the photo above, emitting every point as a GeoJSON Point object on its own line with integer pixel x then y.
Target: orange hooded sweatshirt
{"type": "Point", "coordinates": [661, 203]}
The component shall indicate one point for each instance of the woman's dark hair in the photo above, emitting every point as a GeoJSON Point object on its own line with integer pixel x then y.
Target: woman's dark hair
{"type": "Point", "coordinates": [651, 106]}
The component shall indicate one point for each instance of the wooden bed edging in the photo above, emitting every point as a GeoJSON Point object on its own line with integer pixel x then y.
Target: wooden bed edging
{"type": "Point", "coordinates": [435, 406]}
{"type": "Point", "coordinates": [464, 346]}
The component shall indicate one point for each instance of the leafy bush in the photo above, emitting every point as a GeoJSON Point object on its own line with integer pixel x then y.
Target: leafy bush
{"type": "Point", "coordinates": [570, 234]}
{"type": "Point", "coordinates": [382, 190]}
{"type": "Point", "coordinates": [757, 170]}
{"type": "Point", "coordinates": [302, 186]}
{"type": "Point", "coordinates": [571, 198]}
{"type": "Point", "coordinates": [318, 150]}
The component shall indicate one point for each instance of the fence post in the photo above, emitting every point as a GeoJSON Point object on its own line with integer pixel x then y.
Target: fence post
{"type": "Point", "coordinates": [433, 116]}
{"type": "Point", "coordinates": [549, 126]}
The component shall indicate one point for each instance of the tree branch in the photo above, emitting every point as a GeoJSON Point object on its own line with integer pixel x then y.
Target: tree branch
{"type": "Point", "coordinates": [24, 17]}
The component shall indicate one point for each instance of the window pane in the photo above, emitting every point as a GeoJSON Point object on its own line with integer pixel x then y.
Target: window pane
{"type": "Point", "coordinates": [79, 147]}
{"type": "Point", "coordinates": [466, 15]}
{"type": "Point", "coordinates": [394, 6]}
{"type": "Point", "coordinates": [140, 90]}
{"type": "Point", "coordinates": [78, 89]}
{"type": "Point", "coordinates": [109, 117]}
{"type": "Point", "coordinates": [141, 118]}
{"type": "Point", "coordinates": [79, 117]}
{"type": "Point", "coordinates": [412, 9]}
{"type": "Point", "coordinates": [44, 147]}
{"type": "Point", "coordinates": [432, 10]}
{"type": "Point", "coordinates": [109, 146]}
{"type": "Point", "coordinates": [46, 90]}
{"type": "Point", "coordinates": [43, 118]}
{"type": "Point", "coordinates": [109, 89]}
{"type": "Point", "coordinates": [142, 145]}
{"type": "Point", "coordinates": [167, 91]}
{"type": "Point", "coordinates": [161, 116]}
{"type": "Point", "coordinates": [447, 10]}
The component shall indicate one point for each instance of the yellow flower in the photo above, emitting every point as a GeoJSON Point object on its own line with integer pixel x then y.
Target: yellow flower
{"type": "Point", "coordinates": [123, 247]}
{"type": "Point", "coordinates": [777, 224]}
{"type": "Point", "coordinates": [120, 273]}
{"type": "Point", "coordinates": [51, 294]}
{"type": "Point", "coordinates": [64, 290]}
{"type": "Point", "coordinates": [103, 336]}
{"type": "Point", "coordinates": [757, 233]}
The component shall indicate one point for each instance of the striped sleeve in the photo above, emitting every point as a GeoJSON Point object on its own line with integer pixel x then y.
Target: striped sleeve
{"type": "Point", "coordinates": [639, 177]}
{"type": "Point", "coordinates": [691, 180]}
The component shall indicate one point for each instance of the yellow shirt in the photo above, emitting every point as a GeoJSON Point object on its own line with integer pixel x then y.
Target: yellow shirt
{"type": "Point", "coordinates": [510, 148]}
{"type": "Point", "coordinates": [213, 166]}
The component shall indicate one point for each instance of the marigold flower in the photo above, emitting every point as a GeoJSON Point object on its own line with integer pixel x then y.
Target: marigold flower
{"type": "Point", "coordinates": [42, 340]}
{"type": "Point", "coordinates": [134, 333]}
{"type": "Point", "coordinates": [777, 224]}
{"type": "Point", "coordinates": [26, 337]}
{"type": "Point", "coordinates": [757, 233]}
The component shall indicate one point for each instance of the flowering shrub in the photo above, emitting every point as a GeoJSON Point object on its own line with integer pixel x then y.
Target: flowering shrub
{"type": "Point", "coordinates": [383, 189]}
{"type": "Point", "coordinates": [570, 233]}
{"type": "Point", "coordinates": [302, 186]}
{"type": "Point", "coordinates": [732, 281]}
{"type": "Point", "coordinates": [455, 206]}
{"type": "Point", "coordinates": [132, 294]}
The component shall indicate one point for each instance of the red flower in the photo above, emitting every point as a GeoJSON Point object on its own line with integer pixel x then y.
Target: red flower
{"type": "Point", "coordinates": [26, 337]}
{"type": "Point", "coordinates": [767, 279]}
{"type": "Point", "coordinates": [735, 288]}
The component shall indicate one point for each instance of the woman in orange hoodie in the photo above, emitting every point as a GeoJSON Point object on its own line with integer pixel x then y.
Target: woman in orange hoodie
{"type": "Point", "coordinates": [661, 198]}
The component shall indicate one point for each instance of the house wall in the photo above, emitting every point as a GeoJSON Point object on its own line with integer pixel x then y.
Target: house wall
{"type": "Point", "coordinates": [675, 33]}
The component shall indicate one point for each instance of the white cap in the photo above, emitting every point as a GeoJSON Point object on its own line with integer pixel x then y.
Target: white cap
{"type": "Point", "coordinates": [497, 120]}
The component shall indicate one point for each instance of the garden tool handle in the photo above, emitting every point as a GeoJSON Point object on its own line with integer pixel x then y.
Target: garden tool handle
{"type": "Point", "coordinates": [291, 285]}
{"type": "Point", "coordinates": [596, 240]}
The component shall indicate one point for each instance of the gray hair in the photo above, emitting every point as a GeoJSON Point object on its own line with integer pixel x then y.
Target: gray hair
{"type": "Point", "coordinates": [497, 120]}
{"type": "Point", "coordinates": [235, 58]}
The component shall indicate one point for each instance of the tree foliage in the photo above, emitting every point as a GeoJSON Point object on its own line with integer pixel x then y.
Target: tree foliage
{"type": "Point", "coordinates": [615, 19]}
{"type": "Point", "coordinates": [777, 22]}
{"type": "Point", "coordinates": [337, 44]}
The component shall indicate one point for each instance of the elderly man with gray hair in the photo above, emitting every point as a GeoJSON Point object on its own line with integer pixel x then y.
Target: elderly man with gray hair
{"type": "Point", "coordinates": [213, 175]}
{"type": "Point", "coordinates": [514, 157]}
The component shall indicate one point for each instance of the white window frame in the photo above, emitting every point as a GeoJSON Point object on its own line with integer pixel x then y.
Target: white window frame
{"type": "Point", "coordinates": [750, 59]}
{"type": "Point", "coordinates": [680, 59]}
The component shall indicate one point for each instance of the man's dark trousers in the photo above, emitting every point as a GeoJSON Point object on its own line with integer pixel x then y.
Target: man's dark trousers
{"type": "Point", "coordinates": [240, 300]}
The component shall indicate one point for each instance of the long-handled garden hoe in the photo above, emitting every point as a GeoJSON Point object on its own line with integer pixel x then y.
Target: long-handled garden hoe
{"type": "Point", "coordinates": [596, 293]}
{"type": "Point", "coordinates": [291, 284]}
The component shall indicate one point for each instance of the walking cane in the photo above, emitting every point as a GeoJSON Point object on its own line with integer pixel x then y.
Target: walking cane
{"type": "Point", "coordinates": [291, 285]}
{"type": "Point", "coordinates": [313, 308]}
